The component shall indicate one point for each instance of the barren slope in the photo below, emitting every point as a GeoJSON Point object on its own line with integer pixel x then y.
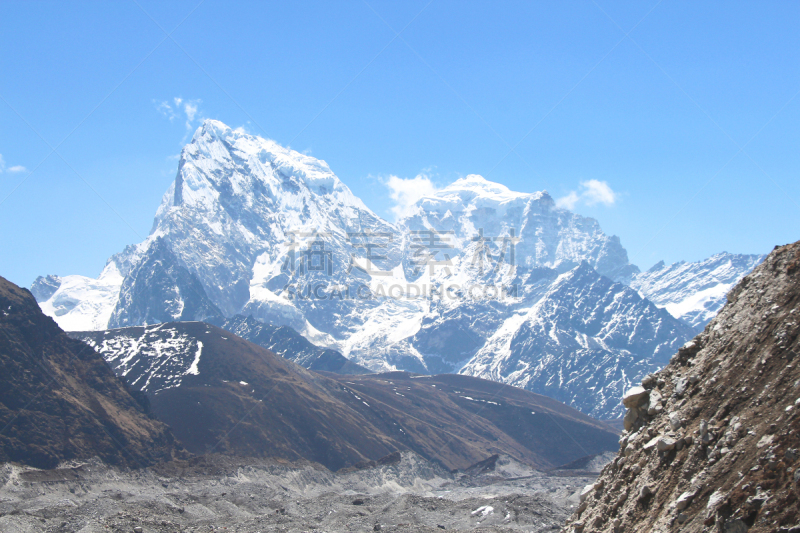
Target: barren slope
{"type": "Point", "coordinates": [713, 441]}
{"type": "Point", "coordinates": [221, 393]}
{"type": "Point", "coordinates": [60, 401]}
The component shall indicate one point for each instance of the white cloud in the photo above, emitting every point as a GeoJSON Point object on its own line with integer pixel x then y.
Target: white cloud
{"type": "Point", "coordinates": [569, 201]}
{"type": "Point", "coordinates": [15, 168]}
{"type": "Point", "coordinates": [165, 109]}
{"type": "Point", "coordinates": [598, 192]}
{"type": "Point", "coordinates": [190, 109]}
{"type": "Point", "coordinates": [591, 192]}
{"type": "Point", "coordinates": [405, 192]}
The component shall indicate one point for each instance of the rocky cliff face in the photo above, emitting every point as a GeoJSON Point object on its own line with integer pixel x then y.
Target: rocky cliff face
{"type": "Point", "coordinates": [585, 342]}
{"type": "Point", "coordinates": [159, 289]}
{"type": "Point", "coordinates": [712, 441]}
{"type": "Point", "coordinates": [59, 400]}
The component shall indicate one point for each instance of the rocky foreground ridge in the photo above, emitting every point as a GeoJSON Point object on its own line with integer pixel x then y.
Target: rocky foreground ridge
{"type": "Point", "coordinates": [712, 441]}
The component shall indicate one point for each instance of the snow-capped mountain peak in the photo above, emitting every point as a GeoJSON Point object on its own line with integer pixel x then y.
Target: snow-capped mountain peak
{"type": "Point", "coordinates": [473, 192]}
{"type": "Point", "coordinates": [478, 186]}
{"type": "Point", "coordinates": [542, 234]}
{"type": "Point", "coordinates": [228, 169]}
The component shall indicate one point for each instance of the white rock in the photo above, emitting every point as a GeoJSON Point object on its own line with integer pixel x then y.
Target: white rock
{"type": "Point", "coordinates": [634, 397]}
{"type": "Point", "coordinates": [765, 441]}
{"type": "Point", "coordinates": [680, 386]}
{"type": "Point", "coordinates": [651, 444]}
{"type": "Point", "coordinates": [684, 500]}
{"type": "Point", "coordinates": [664, 444]}
{"type": "Point", "coordinates": [629, 421]}
{"type": "Point", "coordinates": [654, 405]}
{"type": "Point", "coordinates": [675, 421]}
{"type": "Point", "coordinates": [715, 499]}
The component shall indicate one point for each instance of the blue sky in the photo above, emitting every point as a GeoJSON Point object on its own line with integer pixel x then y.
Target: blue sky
{"type": "Point", "coordinates": [687, 112]}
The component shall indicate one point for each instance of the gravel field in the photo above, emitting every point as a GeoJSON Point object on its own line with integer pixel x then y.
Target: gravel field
{"type": "Point", "coordinates": [218, 493]}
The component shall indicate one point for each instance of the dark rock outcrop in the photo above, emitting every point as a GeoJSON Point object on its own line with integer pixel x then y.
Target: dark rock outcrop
{"type": "Point", "coordinates": [160, 289]}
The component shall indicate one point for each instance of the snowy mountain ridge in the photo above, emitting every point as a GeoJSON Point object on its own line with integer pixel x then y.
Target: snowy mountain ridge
{"type": "Point", "coordinates": [586, 333]}
{"type": "Point", "coordinates": [254, 229]}
{"type": "Point", "coordinates": [156, 358]}
{"type": "Point", "coordinates": [695, 292]}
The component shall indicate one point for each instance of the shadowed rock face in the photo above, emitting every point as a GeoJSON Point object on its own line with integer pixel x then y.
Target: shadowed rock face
{"type": "Point", "coordinates": [60, 401]}
{"type": "Point", "coordinates": [712, 441]}
{"type": "Point", "coordinates": [160, 289]}
{"type": "Point", "coordinates": [220, 393]}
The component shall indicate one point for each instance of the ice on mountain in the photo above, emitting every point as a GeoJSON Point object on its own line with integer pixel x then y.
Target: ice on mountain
{"type": "Point", "coordinates": [193, 369]}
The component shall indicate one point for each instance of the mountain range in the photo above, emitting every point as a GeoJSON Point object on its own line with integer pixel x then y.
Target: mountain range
{"type": "Point", "coordinates": [475, 279]}
{"type": "Point", "coordinates": [191, 388]}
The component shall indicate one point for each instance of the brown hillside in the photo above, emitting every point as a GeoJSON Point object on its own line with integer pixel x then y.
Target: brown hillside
{"type": "Point", "coordinates": [713, 440]}
{"type": "Point", "coordinates": [220, 393]}
{"type": "Point", "coordinates": [60, 401]}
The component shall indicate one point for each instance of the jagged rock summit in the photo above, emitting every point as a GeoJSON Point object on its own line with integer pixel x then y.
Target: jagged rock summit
{"type": "Point", "coordinates": [476, 211]}
{"type": "Point", "coordinates": [694, 292]}
{"type": "Point", "coordinates": [712, 441]}
{"type": "Point", "coordinates": [586, 332]}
